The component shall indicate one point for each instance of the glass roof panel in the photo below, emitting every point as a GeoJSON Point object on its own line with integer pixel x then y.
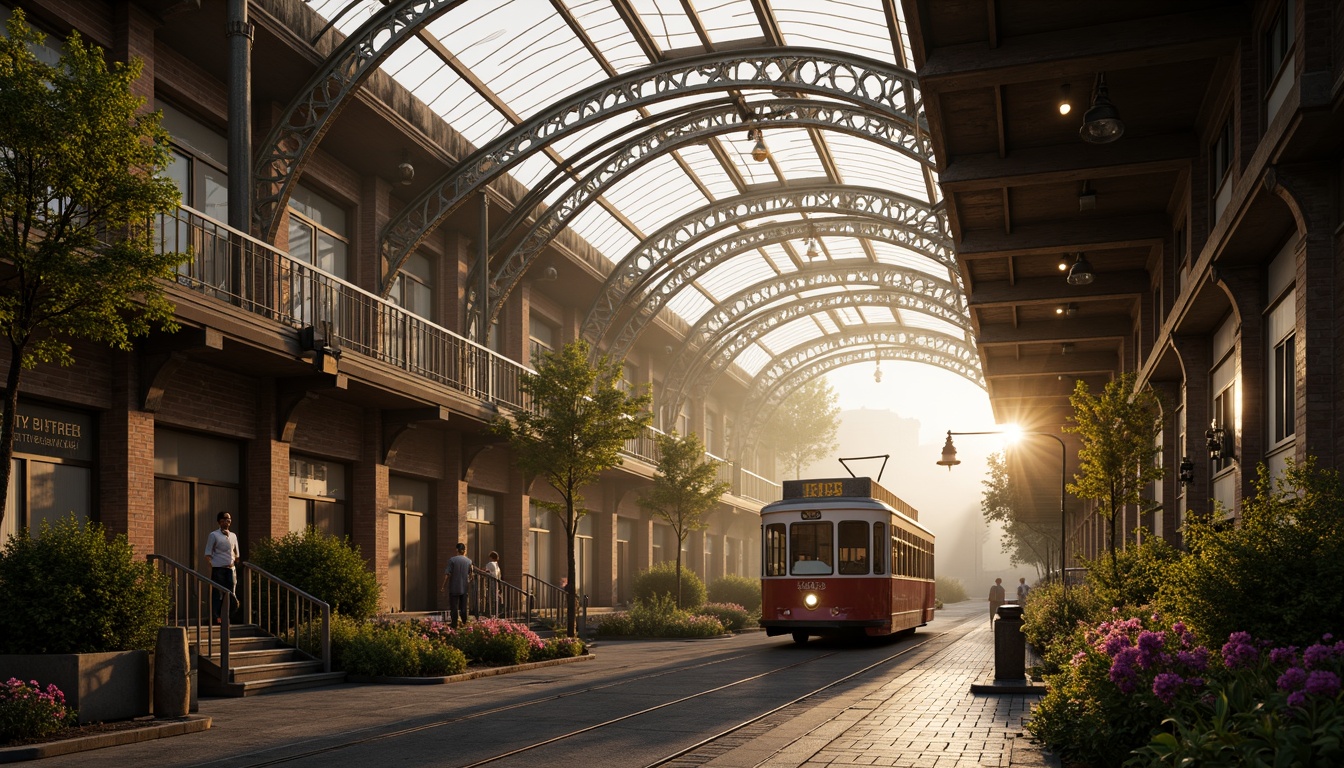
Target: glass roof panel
{"type": "Point", "coordinates": [707, 167]}
{"type": "Point", "coordinates": [856, 26]}
{"type": "Point", "coordinates": [794, 152]}
{"type": "Point", "coordinates": [791, 334]}
{"type": "Point", "coordinates": [902, 257]}
{"type": "Point", "coordinates": [827, 324]}
{"type": "Point", "coordinates": [610, 237]}
{"type": "Point", "coordinates": [929, 323]}
{"type": "Point", "coordinates": [878, 315]}
{"type": "Point", "coordinates": [667, 22]}
{"type": "Point", "coordinates": [743, 270]}
{"type": "Point", "coordinates": [655, 194]}
{"type": "Point", "coordinates": [731, 20]}
{"type": "Point", "coordinates": [867, 164]}
{"type": "Point", "coordinates": [691, 305]}
{"type": "Point", "coordinates": [608, 33]}
{"type": "Point", "coordinates": [848, 316]}
{"type": "Point", "coordinates": [752, 359]}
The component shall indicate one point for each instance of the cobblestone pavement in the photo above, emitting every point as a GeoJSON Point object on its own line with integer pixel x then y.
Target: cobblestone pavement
{"type": "Point", "coordinates": [924, 718]}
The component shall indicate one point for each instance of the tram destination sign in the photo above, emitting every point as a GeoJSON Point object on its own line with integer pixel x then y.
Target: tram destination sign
{"type": "Point", "coordinates": [828, 488]}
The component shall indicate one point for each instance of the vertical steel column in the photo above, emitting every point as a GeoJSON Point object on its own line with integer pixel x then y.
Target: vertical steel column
{"type": "Point", "coordinates": [483, 264]}
{"type": "Point", "coordinates": [239, 31]}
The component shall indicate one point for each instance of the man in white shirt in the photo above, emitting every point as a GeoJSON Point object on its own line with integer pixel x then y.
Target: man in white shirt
{"type": "Point", "coordinates": [222, 550]}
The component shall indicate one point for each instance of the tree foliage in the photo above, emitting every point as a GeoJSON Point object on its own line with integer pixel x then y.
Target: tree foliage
{"type": "Point", "coordinates": [804, 427]}
{"type": "Point", "coordinates": [579, 420]}
{"type": "Point", "coordinates": [1119, 452]}
{"type": "Point", "coordinates": [1025, 541]}
{"type": "Point", "coordinates": [685, 487]}
{"type": "Point", "coordinates": [79, 181]}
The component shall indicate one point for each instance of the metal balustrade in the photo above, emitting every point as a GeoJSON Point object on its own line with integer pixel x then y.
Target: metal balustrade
{"type": "Point", "coordinates": [241, 270]}
{"type": "Point", "coordinates": [495, 598]}
{"type": "Point", "coordinates": [285, 611]}
{"type": "Point", "coordinates": [190, 608]}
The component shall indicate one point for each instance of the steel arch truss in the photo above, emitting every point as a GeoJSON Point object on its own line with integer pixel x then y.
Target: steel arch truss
{"type": "Point", "coordinates": [911, 223]}
{"type": "Point", "coordinates": [894, 134]}
{"type": "Point", "coordinates": [282, 156]}
{"type": "Point", "coordinates": [877, 86]}
{"type": "Point", "coordinates": [790, 369]}
{"type": "Point", "coordinates": [739, 321]}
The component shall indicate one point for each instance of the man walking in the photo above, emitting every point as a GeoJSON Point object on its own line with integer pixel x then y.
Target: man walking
{"type": "Point", "coordinates": [221, 548]}
{"type": "Point", "coordinates": [1023, 589]}
{"type": "Point", "coordinates": [996, 596]}
{"type": "Point", "coordinates": [456, 577]}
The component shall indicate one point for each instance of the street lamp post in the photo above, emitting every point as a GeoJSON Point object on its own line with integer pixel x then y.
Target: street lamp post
{"type": "Point", "coordinates": [949, 460]}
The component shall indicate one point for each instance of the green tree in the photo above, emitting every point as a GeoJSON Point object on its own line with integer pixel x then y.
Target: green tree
{"type": "Point", "coordinates": [579, 420]}
{"type": "Point", "coordinates": [685, 488]}
{"type": "Point", "coordinates": [79, 181]}
{"type": "Point", "coordinates": [804, 427]}
{"type": "Point", "coordinates": [1024, 541]}
{"type": "Point", "coordinates": [1118, 457]}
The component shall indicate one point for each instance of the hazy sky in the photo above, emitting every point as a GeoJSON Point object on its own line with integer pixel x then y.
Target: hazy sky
{"type": "Point", "coordinates": [908, 415]}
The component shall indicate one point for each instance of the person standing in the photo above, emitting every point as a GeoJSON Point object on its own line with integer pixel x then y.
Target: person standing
{"type": "Point", "coordinates": [996, 595]}
{"type": "Point", "coordinates": [493, 571]}
{"type": "Point", "coordinates": [456, 578]}
{"type": "Point", "coordinates": [1022, 591]}
{"type": "Point", "coordinates": [221, 548]}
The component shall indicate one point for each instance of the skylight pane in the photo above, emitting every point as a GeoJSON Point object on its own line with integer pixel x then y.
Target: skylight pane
{"type": "Point", "coordinates": [667, 23]}
{"type": "Point", "coordinates": [929, 323]}
{"type": "Point", "coordinates": [611, 238]}
{"type": "Point", "coordinates": [752, 359]}
{"type": "Point", "coordinates": [793, 151]}
{"type": "Point", "coordinates": [608, 33]}
{"type": "Point", "coordinates": [727, 20]}
{"type": "Point", "coordinates": [792, 334]}
{"type": "Point", "coordinates": [708, 169]}
{"type": "Point", "coordinates": [855, 26]}
{"type": "Point", "coordinates": [690, 305]}
{"type": "Point", "coordinates": [740, 272]}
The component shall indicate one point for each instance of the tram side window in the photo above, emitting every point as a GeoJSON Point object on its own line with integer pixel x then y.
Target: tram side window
{"type": "Point", "coordinates": [776, 554]}
{"type": "Point", "coordinates": [853, 536]}
{"type": "Point", "coordinates": [811, 545]}
{"type": "Point", "coordinates": [879, 542]}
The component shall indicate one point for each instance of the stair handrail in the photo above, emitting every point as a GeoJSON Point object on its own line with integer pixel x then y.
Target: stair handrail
{"type": "Point", "coordinates": [550, 602]}
{"type": "Point", "coordinates": [497, 598]}
{"type": "Point", "coordinates": [189, 607]}
{"type": "Point", "coordinates": [277, 607]}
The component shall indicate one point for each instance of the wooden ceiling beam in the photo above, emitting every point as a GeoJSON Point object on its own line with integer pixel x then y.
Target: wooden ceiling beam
{"type": "Point", "coordinates": [1069, 162]}
{"type": "Point", "coordinates": [1062, 330]}
{"type": "Point", "coordinates": [1061, 54]}
{"type": "Point", "coordinates": [1078, 233]}
{"type": "Point", "coordinates": [1074, 365]}
{"type": "Point", "coordinates": [1052, 290]}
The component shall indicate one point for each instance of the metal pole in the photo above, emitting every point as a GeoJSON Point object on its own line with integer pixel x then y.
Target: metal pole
{"type": "Point", "coordinates": [239, 31]}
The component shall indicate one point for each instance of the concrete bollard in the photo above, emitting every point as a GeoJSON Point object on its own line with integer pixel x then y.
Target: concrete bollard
{"type": "Point", "coordinates": [1010, 646]}
{"type": "Point", "coordinates": [172, 673]}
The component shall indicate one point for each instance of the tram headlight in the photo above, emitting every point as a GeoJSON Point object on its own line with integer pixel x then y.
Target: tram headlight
{"type": "Point", "coordinates": [810, 600]}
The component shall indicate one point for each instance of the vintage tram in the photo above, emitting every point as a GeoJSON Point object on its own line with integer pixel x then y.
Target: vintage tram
{"type": "Point", "coordinates": [843, 556]}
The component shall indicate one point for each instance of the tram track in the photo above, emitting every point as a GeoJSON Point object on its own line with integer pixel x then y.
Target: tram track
{"type": "Point", "coordinates": [683, 757]}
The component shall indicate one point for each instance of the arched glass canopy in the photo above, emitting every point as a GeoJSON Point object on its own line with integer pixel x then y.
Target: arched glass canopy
{"type": "Point", "coordinates": [709, 150]}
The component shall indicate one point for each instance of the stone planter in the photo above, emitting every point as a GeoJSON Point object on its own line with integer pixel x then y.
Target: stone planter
{"type": "Point", "coordinates": [104, 686]}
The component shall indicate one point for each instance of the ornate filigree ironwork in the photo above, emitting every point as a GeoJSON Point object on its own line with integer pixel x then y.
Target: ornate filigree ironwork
{"type": "Point", "coordinates": [894, 218]}
{"type": "Point", "coordinates": [900, 135]}
{"type": "Point", "coordinates": [282, 156]}
{"type": "Point", "coordinates": [883, 88]}
{"type": "Point", "coordinates": [790, 369]}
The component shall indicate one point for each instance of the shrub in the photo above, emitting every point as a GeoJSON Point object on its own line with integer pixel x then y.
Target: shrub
{"type": "Point", "coordinates": [658, 617]}
{"type": "Point", "coordinates": [949, 590]}
{"type": "Point", "coordinates": [28, 712]}
{"type": "Point", "coordinates": [1050, 620]}
{"type": "Point", "coordinates": [492, 642]}
{"type": "Point", "coordinates": [734, 618]}
{"type": "Point", "coordinates": [399, 650]}
{"type": "Point", "coordinates": [744, 591]}
{"type": "Point", "coordinates": [74, 589]}
{"type": "Point", "coordinates": [661, 580]}
{"type": "Point", "coordinates": [329, 568]}
{"type": "Point", "coordinates": [1139, 570]}
{"type": "Point", "coordinates": [307, 637]}
{"type": "Point", "coordinates": [559, 648]}
{"type": "Point", "coordinates": [1278, 574]}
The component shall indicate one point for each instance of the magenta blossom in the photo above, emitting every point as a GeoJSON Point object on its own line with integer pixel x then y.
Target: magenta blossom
{"type": "Point", "coordinates": [1322, 683]}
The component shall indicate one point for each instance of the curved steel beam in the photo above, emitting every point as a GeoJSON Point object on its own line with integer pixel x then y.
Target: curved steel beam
{"type": "Point", "coordinates": [883, 88]}
{"type": "Point", "coordinates": [739, 320]}
{"type": "Point", "coordinates": [792, 369]}
{"type": "Point", "coordinates": [897, 135]}
{"type": "Point", "coordinates": [282, 156]}
{"type": "Point", "coordinates": [914, 224]}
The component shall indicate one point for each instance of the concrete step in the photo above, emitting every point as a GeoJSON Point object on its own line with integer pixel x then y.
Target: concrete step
{"type": "Point", "coordinates": [271, 685]}
{"type": "Point", "coordinates": [246, 673]}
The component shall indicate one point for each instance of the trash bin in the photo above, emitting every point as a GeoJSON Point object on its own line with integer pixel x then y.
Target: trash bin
{"type": "Point", "coordinates": [1010, 646]}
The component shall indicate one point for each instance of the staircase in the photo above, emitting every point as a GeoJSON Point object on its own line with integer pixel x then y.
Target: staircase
{"type": "Point", "coordinates": [260, 663]}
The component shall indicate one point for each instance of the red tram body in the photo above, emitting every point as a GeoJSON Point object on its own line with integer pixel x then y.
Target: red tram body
{"type": "Point", "coordinates": [843, 555]}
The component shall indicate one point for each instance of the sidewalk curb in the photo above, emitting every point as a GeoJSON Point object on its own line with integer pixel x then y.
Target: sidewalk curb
{"type": "Point", "coordinates": [175, 727]}
{"type": "Point", "coordinates": [472, 675]}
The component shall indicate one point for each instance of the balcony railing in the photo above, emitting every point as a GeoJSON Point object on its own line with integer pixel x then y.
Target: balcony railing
{"type": "Point", "coordinates": [239, 269]}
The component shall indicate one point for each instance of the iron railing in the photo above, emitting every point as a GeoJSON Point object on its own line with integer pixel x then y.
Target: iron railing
{"type": "Point", "coordinates": [234, 267]}
{"type": "Point", "coordinates": [287, 612]}
{"type": "Point", "coordinates": [549, 603]}
{"type": "Point", "coordinates": [488, 596]}
{"type": "Point", "coordinates": [190, 608]}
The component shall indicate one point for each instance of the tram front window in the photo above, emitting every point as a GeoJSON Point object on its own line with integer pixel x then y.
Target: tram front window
{"type": "Point", "coordinates": [810, 545]}
{"type": "Point", "coordinates": [853, 547]}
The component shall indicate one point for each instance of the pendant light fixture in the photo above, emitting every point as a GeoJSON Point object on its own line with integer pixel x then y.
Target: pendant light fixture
{"type": "Point", "coordinates": [1101, 123]}
{"type": "Point", "coordinates": [759, 152]}
{"type": "Point", "coordinates": [1081, 272]}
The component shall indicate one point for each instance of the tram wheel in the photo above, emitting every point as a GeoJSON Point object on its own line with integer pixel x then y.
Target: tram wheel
{"type": "Point", "coordinates": [800, 638]}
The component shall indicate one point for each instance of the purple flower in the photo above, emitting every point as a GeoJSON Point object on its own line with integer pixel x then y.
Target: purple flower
{"type": "Point", "coordinates": [1283, 656]}
{"type": "Point", "coordinates": [1150, 648]}
{"type": "Point", "coordinates": [1317, 655]}
{"type": "Point", "coordinates": [1292, 679]}
{"type": "Point", "coordinates": [1322, 683]}
{"type": "Point", "coordinates": [1297, 699]}
{"type": "Point", "coordinates": [1238, 651]}
{"type": "Point", "coordinates": [1178, 627]}
{"type": "Point", "coordinates": [1122, 672]}
{"type": "Point", "coordinates": [1196, 660]}
{"type": "Point", "coordinates": [1115, 642]}
{"type": "Point", "coordinates": [1166, 685]}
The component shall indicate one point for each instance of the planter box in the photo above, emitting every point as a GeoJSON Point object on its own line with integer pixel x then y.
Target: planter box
{"type": "Point", "coordinates": [104, 686]}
